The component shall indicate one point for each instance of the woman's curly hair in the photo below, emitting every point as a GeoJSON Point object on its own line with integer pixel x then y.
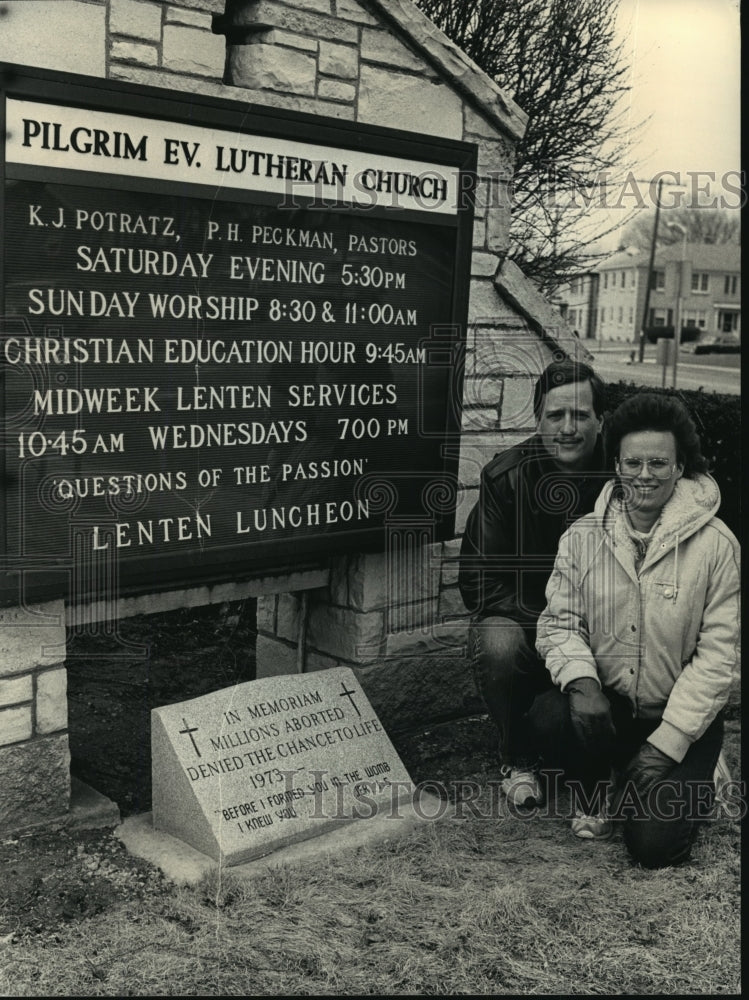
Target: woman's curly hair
{"type": "Point", "coordinates": [647, 411]}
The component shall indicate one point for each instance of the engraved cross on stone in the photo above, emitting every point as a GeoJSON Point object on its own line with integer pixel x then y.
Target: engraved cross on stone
{"type": "Point", "coordinates": [349, 695]}
{"type": "Point", "coordinates": [189, 733]}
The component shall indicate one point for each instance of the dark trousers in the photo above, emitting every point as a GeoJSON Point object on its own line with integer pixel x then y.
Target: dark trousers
{"type": "Point", "coordinates": [509, 675]}
{"type": "Point", "coordinates": [660, 827]}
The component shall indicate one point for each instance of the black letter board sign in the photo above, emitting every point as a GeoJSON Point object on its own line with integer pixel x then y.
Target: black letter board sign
{"type": "Point", "coordinates": [230, 337]}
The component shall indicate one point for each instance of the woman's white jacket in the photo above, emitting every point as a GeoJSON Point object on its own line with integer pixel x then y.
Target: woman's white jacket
{"type": "Point", "coordinates": [666, 638]}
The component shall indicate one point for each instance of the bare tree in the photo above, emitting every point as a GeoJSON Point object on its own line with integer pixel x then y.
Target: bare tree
{"type": "Point", "coordinates": [703, 225]}
{"type": "Point", "coordinates": [560, 61]}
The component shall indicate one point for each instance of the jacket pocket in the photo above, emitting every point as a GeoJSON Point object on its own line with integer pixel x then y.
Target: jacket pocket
{"type": "Point", "coordinates": [665, 590]}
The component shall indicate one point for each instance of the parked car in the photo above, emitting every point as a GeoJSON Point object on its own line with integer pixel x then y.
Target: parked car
{"type": "Point", "coordinates": [715, 343]}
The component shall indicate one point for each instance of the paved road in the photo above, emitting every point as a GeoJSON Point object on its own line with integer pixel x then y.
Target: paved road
{"type": "Point", "coordinates": [713, 374]}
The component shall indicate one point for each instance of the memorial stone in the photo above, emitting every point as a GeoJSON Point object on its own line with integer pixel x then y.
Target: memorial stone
{"type": "Point", "coordinates": [241, 772]}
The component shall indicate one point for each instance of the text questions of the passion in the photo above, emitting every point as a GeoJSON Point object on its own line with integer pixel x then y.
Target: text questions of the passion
{"type": "Point", "coordinates": [228, 317]}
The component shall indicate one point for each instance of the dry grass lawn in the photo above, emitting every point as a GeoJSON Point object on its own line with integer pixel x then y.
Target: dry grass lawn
{"type": "Point", "coordinates": [464, 906]}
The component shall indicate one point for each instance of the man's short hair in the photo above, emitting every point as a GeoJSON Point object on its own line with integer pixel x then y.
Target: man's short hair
{"type": "Point", "coordinates": [564, 373]}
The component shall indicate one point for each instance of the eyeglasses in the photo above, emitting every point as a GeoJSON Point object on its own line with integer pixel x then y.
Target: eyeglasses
{"type": "Point", "coordinates": [659, 468]}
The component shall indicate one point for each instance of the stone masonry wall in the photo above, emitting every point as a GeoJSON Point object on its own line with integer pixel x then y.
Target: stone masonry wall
{"type": "Point", "coordinates": [34, 755]}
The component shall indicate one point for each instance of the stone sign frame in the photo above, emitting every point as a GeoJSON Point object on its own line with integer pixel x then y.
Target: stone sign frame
{"type": "Point", "coordinates": [42, 578]}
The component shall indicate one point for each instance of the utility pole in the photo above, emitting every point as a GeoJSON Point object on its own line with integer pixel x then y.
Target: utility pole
{"type": "Point", "coordinates": [680, 297]}
{"type": "Point", "coordinates": [650, 270]}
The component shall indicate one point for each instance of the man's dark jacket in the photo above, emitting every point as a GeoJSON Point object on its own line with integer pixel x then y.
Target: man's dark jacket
{"type": "Point", "coordinates": [525, 505]}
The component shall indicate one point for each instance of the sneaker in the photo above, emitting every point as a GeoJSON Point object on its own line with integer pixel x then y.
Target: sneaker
{"type": "Point", "coordinates": [521, 786]}
{"type": "Point", "coordinates": [722, 778]}
{"type": "Point", "coordinates": [598, 827]}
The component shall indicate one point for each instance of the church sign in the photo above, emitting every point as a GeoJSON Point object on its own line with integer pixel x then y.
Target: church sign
{"type": "Point", "coordinates": [230, 338]}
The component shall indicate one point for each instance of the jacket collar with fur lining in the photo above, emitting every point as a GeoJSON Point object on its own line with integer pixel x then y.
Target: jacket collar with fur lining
{"type": "Point", "coordinates": [692, 504]}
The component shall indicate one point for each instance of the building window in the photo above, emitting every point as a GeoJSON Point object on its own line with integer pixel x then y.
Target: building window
{"type": "Point", "coordinates": [700, 282]}
{"type": "Point", "coordinates": [611, 312]}
{"type": "Point", "coordinates": [624, 279]}
{"type": "Point", "coordinates": [658, 281]}
{"type": "Point", "coordinates": [658, 317]}
{"type": "Point", "coordinates": [695, 317]}
{"type": "Point", "coordinates": [621, 314]}
{"type": "Point", "coordinates": [605, 279]}
{"type": "Point", "coordinates": [603, 315]}
{"type": "Point", "coordinates": [631, 314]}
{"type": "Point", "coordinates": [613, 279]}
{"type": "Point", "coordinates": [731, 283]}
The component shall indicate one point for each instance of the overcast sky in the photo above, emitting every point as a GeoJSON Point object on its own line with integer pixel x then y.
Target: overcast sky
{"type": "Point", "coordinates": [685, 73]}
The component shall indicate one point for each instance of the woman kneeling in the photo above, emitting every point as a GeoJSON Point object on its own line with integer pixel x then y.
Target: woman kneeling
{"type": "Point", "coordinates": [640, 635]}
